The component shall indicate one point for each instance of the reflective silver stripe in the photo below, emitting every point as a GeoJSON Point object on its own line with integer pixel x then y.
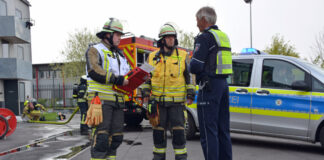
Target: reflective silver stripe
{"type": "Point", "coordinates": [81, 100]}
{"type": "Point", "coordinates": [107, 97]}
{"type": "Point", "coordinates": [159, 150]}
{"type": "Point", "coordinates": [168, 92]}
{"type": "Point", "coordinates": [157, 87]}
{"type": "Point", "coordinates": [145, 86]}
{"type": "Point", "coordinates": [190, 86]}
{"type": "Point", "coordinates": [220, 62]}
{"type": "Point", "coordinates": [107, 91]}
{"type": "Point", "coordinates": [98, 86]}
{"type": "Point", "coordinates": [225, 66]}
{"type": "Point", "coordinates": [180, 151]}
{"type": "Point", "coordinates": [170, 99]}
{"type": "Point", "coordinates": [197, 60]}
{"type": "Point", "coordinates": [212, 47]}
{"type": "Point", "coordinates": [101, 87]}
{"type": "Point", "coordinates": [216, 37]}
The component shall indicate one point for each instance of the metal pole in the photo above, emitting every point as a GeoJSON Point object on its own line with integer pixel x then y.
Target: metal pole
{"type": "Point", "coordinates": [251, 24]}
{"type": "Point", "coordinates": [53, 91]}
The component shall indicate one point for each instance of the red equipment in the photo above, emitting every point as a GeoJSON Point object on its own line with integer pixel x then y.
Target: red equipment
{"type": "Point", "coordinates": [136, 77]}
{"type": "Point", "coordinates": [8, 122]}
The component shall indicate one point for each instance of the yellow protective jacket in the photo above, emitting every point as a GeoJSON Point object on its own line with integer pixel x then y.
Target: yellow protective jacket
{"type": "Point", "coordinates": [36, 112]}
{"type": "Point", "coordinates": [170, 78]}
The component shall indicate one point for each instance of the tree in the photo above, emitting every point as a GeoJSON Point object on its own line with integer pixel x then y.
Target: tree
{"type": "Point", "coordinates": [318, 49]}
{"type": "Point", "coordinates": [74, 53]}
{"type": "Point", "coordinates": [280, 47]}
{"type": "Point", "coordinates": [186, 40]}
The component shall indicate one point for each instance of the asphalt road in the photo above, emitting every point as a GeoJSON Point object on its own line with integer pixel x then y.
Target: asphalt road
{"type": "Point", "coordinates": [47, 142]}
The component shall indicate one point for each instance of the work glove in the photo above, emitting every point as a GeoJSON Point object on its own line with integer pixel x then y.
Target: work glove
{"type": "Point", "coordinates": [152, 108]}
{"type": "Point", "coordinates": [94, 114]}
{"type": "Point", "coordinates": [153, 113]}
{"type": "Point", "coordinates": [154, 121]}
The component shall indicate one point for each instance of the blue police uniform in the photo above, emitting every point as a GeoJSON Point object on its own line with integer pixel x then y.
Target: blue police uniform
{"type": "Point", "coordinates": [213, 98]}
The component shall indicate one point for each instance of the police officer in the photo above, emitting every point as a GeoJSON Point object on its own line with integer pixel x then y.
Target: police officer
{"type": "Point", "coordinates": [212, 63]}
{"type": "Point", "coordinates": [83, 104]}
{"type": "Point", "coordinates": [170, 87]}
{"type": "Point", "coordinates": [106, 66]}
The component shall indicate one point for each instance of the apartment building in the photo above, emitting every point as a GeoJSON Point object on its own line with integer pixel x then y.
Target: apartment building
{"type": "Point", "coordinates": [15, 54]}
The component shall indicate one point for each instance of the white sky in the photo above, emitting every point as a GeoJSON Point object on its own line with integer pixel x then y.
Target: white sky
{"type": "Point", "coordinates": [299, 21]}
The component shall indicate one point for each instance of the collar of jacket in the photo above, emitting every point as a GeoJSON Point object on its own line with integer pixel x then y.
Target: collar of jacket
{"type": "Point", "coordinates": [213, 27]}
{"type": "Point", "coordinates": [109, 46]}
{"type": "Point", "coordinates": [168, 54]}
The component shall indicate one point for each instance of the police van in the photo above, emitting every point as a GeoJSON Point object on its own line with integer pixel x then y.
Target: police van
{"type": "Point", "coordinates": [273, 95]}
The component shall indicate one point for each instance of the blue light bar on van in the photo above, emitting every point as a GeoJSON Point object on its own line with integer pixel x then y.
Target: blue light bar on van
{"type": "Point", "coordinates": [250, 51]}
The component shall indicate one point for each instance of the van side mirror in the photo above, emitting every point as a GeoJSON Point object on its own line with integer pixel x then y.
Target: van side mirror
{"type": "Point", "coordinates": [300, 85]}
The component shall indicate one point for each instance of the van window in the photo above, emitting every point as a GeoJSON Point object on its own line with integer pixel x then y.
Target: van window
{"type": "Point", "coordinates": [317, 86]}
{"type": "Point", "coordinates": [242, 70]}
{"type": "Point", "coordinates": [280, 74]}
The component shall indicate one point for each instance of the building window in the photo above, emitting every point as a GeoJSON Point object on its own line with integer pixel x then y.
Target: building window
{"type": "Point", "coordinates": [58, 74]}
{"type": "Point", "coordinates": [3, 8]}
{"type": "Point", "coordinates": [20, 52]}
{"type": "Point", "coordinates": [5, 48]}
{"type": "Point", "coordinates": [34, 74]}
{"type": "Point", "coordinates": [41, 74]}
{"type": "Point", "coordinates": [21, 92]}
{"type": "Point", "coordinates": [53, 74]}
{"type": "Point", "coordinates": [47, 74]}
{"type": "Point", "coordinates": [18, 13]}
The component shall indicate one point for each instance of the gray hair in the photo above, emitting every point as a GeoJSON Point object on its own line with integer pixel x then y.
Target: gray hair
{"type": "Point", "coordinates": [208, 13]}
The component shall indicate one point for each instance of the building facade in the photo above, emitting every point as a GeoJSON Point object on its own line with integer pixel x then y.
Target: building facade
{"type": "Point", "coordinates": [51, 88]}
{"type": "Point", "coordinates": [15, 54]}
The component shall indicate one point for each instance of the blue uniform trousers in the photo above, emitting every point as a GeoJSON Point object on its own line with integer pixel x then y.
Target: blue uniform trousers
{"type": "Point", "coordinates": [213, 115]}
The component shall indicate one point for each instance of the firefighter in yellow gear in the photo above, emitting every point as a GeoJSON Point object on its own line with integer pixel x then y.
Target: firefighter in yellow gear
{"type": "Point", "coordinates": [167, 92]}
{"type": "Point", "coordinates": [105, 67]}
{"type": "Point", "coordinates": [33, 110]}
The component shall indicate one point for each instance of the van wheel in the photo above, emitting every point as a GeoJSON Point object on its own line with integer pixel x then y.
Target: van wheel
{"type": "Point", "coordinates": [190, 127]}
{"type": "Point", "coordinates": [322, 136]}
{"type": "Point", "coordinates": [133, 119]}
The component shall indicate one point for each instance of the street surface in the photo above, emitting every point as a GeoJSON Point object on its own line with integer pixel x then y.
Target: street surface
{"type": "Point", "coordinates": [33, 141]}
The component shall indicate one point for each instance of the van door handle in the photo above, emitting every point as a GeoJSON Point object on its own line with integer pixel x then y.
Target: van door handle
{"type": "Point", "coordinates": [263, 92]}
{"type": "Point", "coordinates": [241, 90]}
